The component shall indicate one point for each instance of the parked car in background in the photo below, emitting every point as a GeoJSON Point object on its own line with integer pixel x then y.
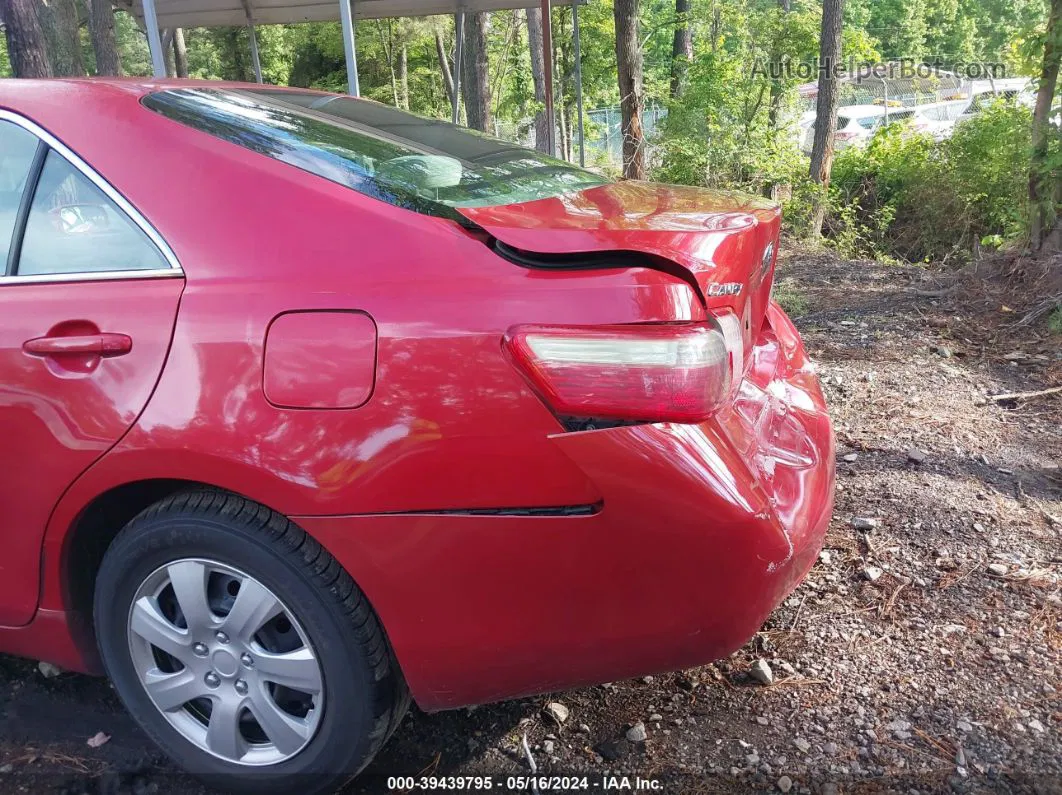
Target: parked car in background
{"type": "Point", "coordinates": [938, 118]}
{"type": "Point", "coordinates": [984, 92]}
{"type": "Point", "coordinates": [311, 406]}
{"type": "Point", "coordinates": [856, 124]}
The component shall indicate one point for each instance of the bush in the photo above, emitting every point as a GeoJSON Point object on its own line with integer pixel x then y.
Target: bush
{"type": "Point", "coordinates": [1054, 322]}
{"type": "Point", "coordinates": [719, 135]}
{"type": "Point", "coordinates": [908, 196]}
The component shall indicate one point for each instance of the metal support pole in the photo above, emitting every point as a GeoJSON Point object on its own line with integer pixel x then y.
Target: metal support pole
{"type": "Point", "coordinates": [459, 57]}
{"type": "Point", "coordinates": [578, 81]}
{"type": "Point", "coordinates": [547, 62]}
{"type": "Point", "coordinates": [253, 39]}
{"type": "Point", "coordinates": [346, 21]}
{"type": "Point", "coordinates": [151, 27]}
{"type": "Point", "coordinates": [254, 52]}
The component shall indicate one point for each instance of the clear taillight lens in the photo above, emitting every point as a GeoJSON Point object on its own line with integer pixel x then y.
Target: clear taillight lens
{"type": "Point", "coordinates": [666, 373]}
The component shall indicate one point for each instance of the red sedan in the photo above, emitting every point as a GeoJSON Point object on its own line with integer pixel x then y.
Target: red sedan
{"type": "Point", "coordinates": [311, 406]}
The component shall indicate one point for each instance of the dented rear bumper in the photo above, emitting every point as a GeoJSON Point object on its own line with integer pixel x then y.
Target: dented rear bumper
{"type": "Point", "coordinates": [702, 531]}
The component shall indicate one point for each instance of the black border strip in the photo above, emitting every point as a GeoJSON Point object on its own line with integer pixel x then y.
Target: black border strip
{"type": "Point", "coordinates": [560, 510]}
{"type": "Point", "coordinates": [21, 218]}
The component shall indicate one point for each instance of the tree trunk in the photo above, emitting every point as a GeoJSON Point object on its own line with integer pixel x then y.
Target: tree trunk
{"type": "Point", "coordinates": [538, 77]}
{"type": "Point", "coordinates": [681, 48]}
{"type": "Point", "coordinates": [26, 46]}
{"type": "Point", "coordinates": [169, 54]}
{"type": "Point", "coordinates": [444, 66]}
{"type": "Point", "coordinates": [180, 53]}
{"type": "Point", "coordinates": [777, 82]}
{"type": "Point", "coordinates": [104, 43]}
{"type": "Point", "coordinates": [388, 47]}
{"type": "Point", "coordinates": [475, 83]}
{"type": "Point", "coordinates": [566, 84]}
{"type": "Point", "coordinates": [403, 75]}
{"type": "Point", "coordinates": [242, 69]}
{"type": "Point", "coordinates": [1045, 231]}
{"type": "Point", "coordinates": [826, 107]}
{"type": "Point", "coordinates": [59, 22]}
{"type": "Point", "coordinates": [505, 62]}
{"type": "Point", "coordinates": [629, 64]}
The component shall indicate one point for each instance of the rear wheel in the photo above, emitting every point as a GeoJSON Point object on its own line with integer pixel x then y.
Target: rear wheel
{"type": "Point", "coordinates": [242, 648]}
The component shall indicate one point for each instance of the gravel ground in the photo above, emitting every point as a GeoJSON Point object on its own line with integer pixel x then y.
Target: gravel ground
{"type": "Point", "coordinates": [923, 653]}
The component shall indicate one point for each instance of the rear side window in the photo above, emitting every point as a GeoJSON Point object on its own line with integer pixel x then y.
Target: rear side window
{"type": "Point", "coordinates": [424, 165]}
{"type": "Point", "coordinates": [17, 148]}
{"type": "Point", "coordinates": [73, 227]}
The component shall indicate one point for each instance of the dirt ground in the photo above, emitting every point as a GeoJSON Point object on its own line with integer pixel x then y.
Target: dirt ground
{"type": "Point", "coordinates": [923, 654]}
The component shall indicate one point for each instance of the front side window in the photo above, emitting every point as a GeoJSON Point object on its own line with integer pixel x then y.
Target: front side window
{"type": "Point", "coordinates": [73, 227]}
{"type": "Point", "coordinates": [17, 148]}
{"type": "Point", "coordinates": [424, 165]}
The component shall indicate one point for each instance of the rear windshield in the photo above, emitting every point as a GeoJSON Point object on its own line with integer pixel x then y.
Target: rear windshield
{"type": "Point", "coordinates": [425, 165]}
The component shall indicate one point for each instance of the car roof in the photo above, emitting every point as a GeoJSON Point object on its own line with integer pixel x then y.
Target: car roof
{"type": "Point", "coordinates": [861, 111]}
{"type": "Point", "coordinates": [104, 124]}
{"type": "Point", "coordinates": [138, 86]}
{"type": "Point", "coordinates": [1001, 84]}
{"type": "Point", "coordinates": [48, 96]}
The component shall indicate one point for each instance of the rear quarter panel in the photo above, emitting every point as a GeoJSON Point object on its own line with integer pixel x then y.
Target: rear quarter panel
{"type": "Point", "coordinates": [450, 424]}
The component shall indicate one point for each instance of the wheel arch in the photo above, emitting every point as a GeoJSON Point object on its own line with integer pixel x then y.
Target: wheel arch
{"type": "Point", "coordinates": [95, 527]}
{"type": "Point", "coordinates": [79, 545]}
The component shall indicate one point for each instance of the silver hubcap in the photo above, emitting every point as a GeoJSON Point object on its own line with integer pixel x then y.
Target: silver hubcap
{"type": "Point", "coordinates": [225, 662]}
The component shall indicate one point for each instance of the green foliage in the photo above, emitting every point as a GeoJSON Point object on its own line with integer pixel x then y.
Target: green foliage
{"type": "Point", "coordinates": [5, 63]}
{"type": "Point", "coordinates": [735, 125]}
{"type": "Point", "coordinates": [900, 26]}
{"type": "Point", "coordinates": [1054, 321]}
{"type": "Point", "coordinates": [797, 210]}
{"type": "Point", "coordinates": [732, 128]}
{"type": "Point", "coordinates": [789, 297]}
{"type": "Point", "coordinates": [909, 196]}
{"type": "Point", "coordinates": [132, 45]}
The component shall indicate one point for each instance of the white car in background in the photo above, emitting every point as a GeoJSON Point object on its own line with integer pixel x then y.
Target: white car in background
{"type": "Point", "coordinates": [984, 92]}
{"type": "Point", "coordinates": [938, 118]}
{"type": "Point", "coordinates": [855, 124]}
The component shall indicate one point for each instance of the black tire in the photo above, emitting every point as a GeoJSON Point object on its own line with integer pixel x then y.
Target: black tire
{"type": "Point", "coordinates": [366, 696]}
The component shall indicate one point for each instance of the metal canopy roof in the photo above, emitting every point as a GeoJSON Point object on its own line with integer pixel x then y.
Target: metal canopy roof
{"type": "Point", "coordinates": [159, 15]}
{"type": "Point", "coordinates": [211, 13]}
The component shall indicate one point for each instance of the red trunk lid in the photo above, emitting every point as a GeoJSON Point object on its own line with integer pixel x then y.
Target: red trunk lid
{"type": "Point", "coordinates": [721, 239]}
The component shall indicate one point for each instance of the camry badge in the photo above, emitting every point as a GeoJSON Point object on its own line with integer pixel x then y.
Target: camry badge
{"type": "Point", "coordinates": [724, 288]}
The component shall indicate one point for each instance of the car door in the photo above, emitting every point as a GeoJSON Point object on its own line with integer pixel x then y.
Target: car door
{"type": "Point", "coordinates": [88, 300]}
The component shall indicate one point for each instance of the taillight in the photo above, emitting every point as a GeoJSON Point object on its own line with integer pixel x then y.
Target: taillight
{"type": "Point", "coordinates": [665, 373]}
{"type": "Point", "coordinates": [840, 135]}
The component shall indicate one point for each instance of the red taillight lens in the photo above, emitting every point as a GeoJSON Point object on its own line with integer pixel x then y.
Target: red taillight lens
{"type": "Point", "coordinates": [667, 373]}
